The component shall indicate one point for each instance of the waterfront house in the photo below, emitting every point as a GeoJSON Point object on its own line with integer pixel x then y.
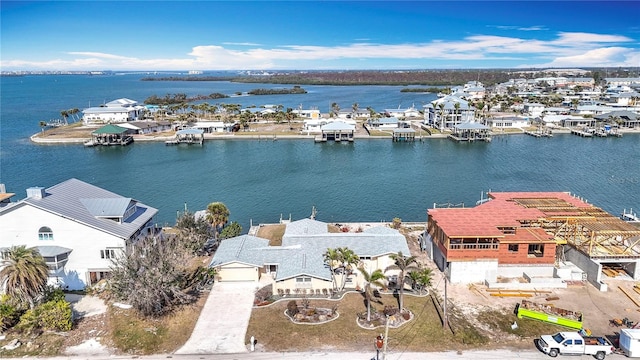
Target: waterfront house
{"type": "Point", "coordinates": [77, 227]}
{"type": "Point", "coordinates": [530, 235]}
{"type": "Point", "coordinates": [533, 109]}
{"type": "Point", "coordinates": [210, 127]}
{"type": "Point", "coordinates": [410, 112]}
{"type": "Point", "coordinates": [628, 119]}
{"type": "Point", "coordinates": [384, 123]}
{"type": "Point", "coordinates": [447, 112]}
{"type": "Point", "coordinates": [312, 114]}
{"type": "Point", "coordinates": [507, 122]}
{"type": "Point", "coordinates": [297, 266]}
{"type": "Point", "coordinates": [116, 111]}
{"type": "Point", "coordinates": [146, 127]}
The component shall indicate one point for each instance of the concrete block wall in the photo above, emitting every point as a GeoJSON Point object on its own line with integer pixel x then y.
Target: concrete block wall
{"type": "Point", "coordinates": [466, 272]}
{"type": "Point", "coordinates": [591, 268]}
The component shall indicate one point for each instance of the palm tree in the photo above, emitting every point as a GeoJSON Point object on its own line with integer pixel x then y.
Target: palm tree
{"type": "Point", "coordinates": [24, 274]}
{"type": "Point", "coordinates": [374, 278]}
{"type": "Point", "coordinates": [64, 114]}
{"type": "Point", "coordinates": [217, 215]}
{"type": "Point", "coordinates": [404, 264]}
{"type": "Point", "coordinates": [43, 124]}
{"type": "Point", "coordinates": [332, 260]}
{"type": "Point", "coordinates": [420, 279]}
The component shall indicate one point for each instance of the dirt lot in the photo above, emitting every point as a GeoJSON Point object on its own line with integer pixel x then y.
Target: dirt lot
{"type": "Point", "coordinates": [597, 307]}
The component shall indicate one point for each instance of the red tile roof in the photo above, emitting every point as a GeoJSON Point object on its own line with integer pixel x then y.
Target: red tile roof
{"type": "Point", "coordinates": [504, 210]}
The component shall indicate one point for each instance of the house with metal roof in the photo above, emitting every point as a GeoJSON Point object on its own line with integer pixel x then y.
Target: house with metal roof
{"type": "Point", "coordinates": [77, 227]}
{"type": "Point", "coordinates": [447, 112]}
{"type": "Point", "coordinates": [116, 111]}
{"type": "Point", "coordinates": [297, 265]}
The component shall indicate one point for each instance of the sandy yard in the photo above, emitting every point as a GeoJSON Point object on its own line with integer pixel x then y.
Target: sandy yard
{"type": "Point", "coordinates": [597, 307]}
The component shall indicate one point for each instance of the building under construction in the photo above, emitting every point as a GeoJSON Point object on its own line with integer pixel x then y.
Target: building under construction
{"type": "Point", "coordinates": [532, 235]}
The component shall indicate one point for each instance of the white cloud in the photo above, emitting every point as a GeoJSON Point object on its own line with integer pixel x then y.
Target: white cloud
{"type": "Point", "coordinates": [567, 49]}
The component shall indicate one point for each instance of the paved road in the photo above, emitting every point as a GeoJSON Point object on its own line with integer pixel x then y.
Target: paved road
{"type": "Point", "coordinates": [466, 355]}
{"type": "Point", "coordinates": [223, 322]}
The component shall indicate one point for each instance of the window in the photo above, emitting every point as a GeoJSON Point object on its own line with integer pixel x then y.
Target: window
{"type": "Point", "coordinates": [303, 282]}
{"type": "Point", "coordinates": [535, 250]}
{"type": "Point", "coordinates": [108, 254]}
{"type": "Point", "coordinates": [513, 247]}
{"type": "Point", "coordinates": [45, 233]}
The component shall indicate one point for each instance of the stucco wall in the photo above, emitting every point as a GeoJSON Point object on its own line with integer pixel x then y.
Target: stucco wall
{"type": "Point", "coordinates": [466, 272]}
{"type": "Point", "coordinates": [20, 227]}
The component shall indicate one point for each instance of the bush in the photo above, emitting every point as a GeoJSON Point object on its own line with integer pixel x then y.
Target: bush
{"type": "Point", "coordinates": [53, 315]}
{"type": "Point", "coordinates": [9, 316]}
{"type": "Point", "coordinates": [292, 308]}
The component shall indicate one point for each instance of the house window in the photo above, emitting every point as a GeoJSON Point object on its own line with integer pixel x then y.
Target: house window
{"type": "Point", "coordinates": [535, 250]}
{"type": "Point", "coordinates": [45, 233]}
{"type": "Point", "coordinates": [513, 247]}
{"type": "Point", "coordinates": [108, 254]}
{"type": "Point", "coordinates": [303, 282]}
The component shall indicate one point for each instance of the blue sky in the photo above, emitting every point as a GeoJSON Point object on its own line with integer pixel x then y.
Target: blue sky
{"type": "Point", "coordinates": [272, 35]}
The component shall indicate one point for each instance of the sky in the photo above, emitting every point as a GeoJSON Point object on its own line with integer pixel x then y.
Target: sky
{"type": "Point", "coordinates": [317, 35]}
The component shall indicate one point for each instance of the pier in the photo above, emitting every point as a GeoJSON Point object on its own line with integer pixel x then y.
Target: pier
{"type": "Point", "coordinates": [187, 136]}
{"type": "Point", "coordinates": [539, 133]}
{"type": "Point", "coordinates": [581, 133]}
{"type": "Point", "coordinates": [404, 135]}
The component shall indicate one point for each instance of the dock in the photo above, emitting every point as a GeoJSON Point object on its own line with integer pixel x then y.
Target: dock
{"type": "Point", "coordinates": [404, 135]}
{"type": "Point", "coordinates": [188, 137]}
{"type": "Point", "coordinates": [539, 133]}
{"type": "Point", "coordinates": [581, 133]}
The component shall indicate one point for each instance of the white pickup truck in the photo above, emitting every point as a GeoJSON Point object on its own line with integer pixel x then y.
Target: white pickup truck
{"type": "Point", "coordinates": [572, 343]}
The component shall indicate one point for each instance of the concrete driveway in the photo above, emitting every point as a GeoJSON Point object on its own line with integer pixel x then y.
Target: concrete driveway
{"type": "Point", "coordinates": [223, 322]}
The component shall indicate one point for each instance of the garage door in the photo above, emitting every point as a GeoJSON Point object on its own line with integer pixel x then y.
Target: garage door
{"type": "Point", "coordinates": [234, 274]}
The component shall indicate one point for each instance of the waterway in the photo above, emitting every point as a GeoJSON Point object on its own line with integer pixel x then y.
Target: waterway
{"type": "Point", "coordinates": [369, 180]}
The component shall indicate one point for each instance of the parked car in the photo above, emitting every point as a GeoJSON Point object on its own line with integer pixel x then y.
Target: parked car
{"type": "Point", "coordinates": [572, 343]}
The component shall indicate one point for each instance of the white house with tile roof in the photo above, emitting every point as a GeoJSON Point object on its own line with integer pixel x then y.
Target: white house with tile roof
{"type": "Point", "coordinates": [298, 265]}
{"type": "Point", "coordinates": [77, 227]}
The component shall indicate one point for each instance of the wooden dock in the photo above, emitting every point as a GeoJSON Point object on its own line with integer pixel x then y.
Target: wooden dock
{"type": "Point", "coordinates": [539, 134]}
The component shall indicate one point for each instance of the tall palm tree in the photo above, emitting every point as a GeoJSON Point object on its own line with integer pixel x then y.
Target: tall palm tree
{"type": "Point", "coordinates": [349, 260]}
{"type": "Point", "coordinates": [332, 260]}
{"type": "Point", "coordinates": [24, 274]}
{"type": "Point", "coordinates": [375, 278]}
{"type": "Point", "coordinates": [64, 114]}
{"type": "Point", "coordinates": [404, 264]}
{"type": "Point", "coordinates": [217, 215]}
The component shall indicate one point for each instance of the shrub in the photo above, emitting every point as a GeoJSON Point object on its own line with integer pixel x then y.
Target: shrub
{"type": "Point", "coordinates": [9, 316]}
{"type": "Point", "coordinates": [292, 308]}
{"type": "Point", "coordinates": [52, 315]}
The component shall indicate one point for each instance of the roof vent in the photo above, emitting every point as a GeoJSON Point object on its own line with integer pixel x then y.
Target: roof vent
{"type": "Point", "coordinates": [2, 189]}
{"type": "Point", "coordinates": [36, 192]}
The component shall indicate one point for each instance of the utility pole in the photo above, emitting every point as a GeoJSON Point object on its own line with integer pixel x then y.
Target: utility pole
{"type": "Point", "coordinates": [445, 319]}
{"type": "Point", "coordinates": [386, 339]}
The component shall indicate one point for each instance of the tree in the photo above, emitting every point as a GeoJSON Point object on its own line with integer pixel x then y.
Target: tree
{"type": "Point", "coordinates": [232, 230]}
{"type": "Point", "coordinates": [193, 232]}
{"type": "Point", "coordinates": [404, 264]}
{"type": "Point", "coordinates": [24, 274]}
{"type": "Point", "coordinates": [374, 278]}
{"type": "Point", "coordinates": [154, 276]}
{"type": "Point", "coordinates": [341, 261]}
{"type": "Point", "coordinates": [64, 114]}
{"type": "Point", "coordinates": [217, 215]}
{"type": "Point", "coordinates": [420, 279]}
{"type": "Point", "coordinates": [42, 124]}
{"type": "Point", "coordinates": [335, 109]}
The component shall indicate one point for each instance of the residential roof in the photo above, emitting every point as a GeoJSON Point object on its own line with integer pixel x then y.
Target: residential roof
{"type": "Point", "coordinates": [81, 202]}
{"type": "Point", "coordinates": [337, 125]}
{"type": "Point", "coordinates": [506, 209]}
{"type": "Point", "coordinates": [303, 246]}
{"type": "Point", "coordinates": [190, 132]}
{"type": "Point", "coordinates": [623, 114]}
{"type": "Point", "coordinates": [471, 126]}
{"type": "Point", "coordinates": [110, 129]}
{"type": "Point", "coordinates": [50, 251]}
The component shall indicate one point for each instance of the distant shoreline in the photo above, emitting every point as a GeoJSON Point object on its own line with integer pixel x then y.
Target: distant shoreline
{"type": "Point", "coordinates": [38, 139]}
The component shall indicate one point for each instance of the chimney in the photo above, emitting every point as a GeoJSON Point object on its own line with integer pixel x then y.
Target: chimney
{"type": "Point", "coordinates": [36, 192]}
{"type": "Point", "coordinates": [2, 189]}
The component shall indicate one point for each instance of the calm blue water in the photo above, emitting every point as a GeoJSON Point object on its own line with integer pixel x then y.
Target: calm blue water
{"type": "Point", "coordinates": [370, 180]}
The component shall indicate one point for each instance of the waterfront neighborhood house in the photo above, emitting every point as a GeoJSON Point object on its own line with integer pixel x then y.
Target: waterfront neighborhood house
{"type": "Point", "coordinates": [297, 265]}
{"type": "Point", "coordinates": [116, 111]}
{"type": "Point", "coordinates": [543, 237]}
{"type": "Point", "coordinates": [77, 227]}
